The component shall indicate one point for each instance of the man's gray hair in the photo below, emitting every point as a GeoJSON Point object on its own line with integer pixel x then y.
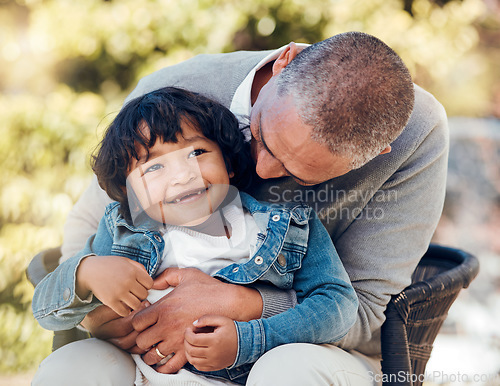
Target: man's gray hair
{"type": "Point", "coordinates": [355, 92]}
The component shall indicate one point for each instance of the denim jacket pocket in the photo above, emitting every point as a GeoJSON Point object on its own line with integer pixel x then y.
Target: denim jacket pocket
{"type": "Point", "coordinates": [283, 269]}
{"type": "Point", "coordinates": [289, 260]}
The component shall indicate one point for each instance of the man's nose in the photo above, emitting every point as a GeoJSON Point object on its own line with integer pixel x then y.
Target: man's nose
{"type": "Point", "coordinates": [267, 166]}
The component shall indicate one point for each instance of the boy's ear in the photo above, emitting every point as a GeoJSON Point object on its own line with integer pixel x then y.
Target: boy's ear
{"type": "Point", "coordinates": [229, 168]}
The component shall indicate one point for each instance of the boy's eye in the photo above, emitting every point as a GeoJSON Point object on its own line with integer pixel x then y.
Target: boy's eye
{"type": "Point", "coordinates": [196, 153]}
{"type": "Point", "coordinates": [153, 168]}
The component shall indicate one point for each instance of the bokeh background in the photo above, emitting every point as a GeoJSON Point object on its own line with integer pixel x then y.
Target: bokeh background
{"type": "Point", "coordinates": [66, 67]}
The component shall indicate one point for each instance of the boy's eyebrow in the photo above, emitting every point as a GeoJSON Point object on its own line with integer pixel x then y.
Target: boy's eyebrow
{"type": "Point", "coordinates": [145, 157]}
{"type": "Point", "coordinates": [195, 138]}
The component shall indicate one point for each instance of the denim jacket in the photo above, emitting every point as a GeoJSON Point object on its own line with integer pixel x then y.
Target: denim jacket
{"type": "Point", "coordinates": [294, 251]}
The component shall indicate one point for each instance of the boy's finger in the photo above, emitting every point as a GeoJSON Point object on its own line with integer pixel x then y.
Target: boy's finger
{"type": "Point", "coordinates": [131, 301]}
{"type": "Point", "coordinates": [139, 291]}
{"type": "Point", "coordinates": [120, 308]}
{"type": "Point", "coordinates": [194, 351]}
{"type": "Point", "coordinates": [209, 321]}
{"type": "Point", "coordinates": [142, 275]}
{"type": "Point", "coordinates": [198, 363]}
{"type": "Point", "coordinates": [138, 265]}
{"type": "Point", "coordinates": [145, 280]}
{"type": "Point", "coordinates": [198, 340]}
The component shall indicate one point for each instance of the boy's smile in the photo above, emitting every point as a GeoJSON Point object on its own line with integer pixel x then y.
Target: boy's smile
{"type": "Point", "coordinates": [191, 195]}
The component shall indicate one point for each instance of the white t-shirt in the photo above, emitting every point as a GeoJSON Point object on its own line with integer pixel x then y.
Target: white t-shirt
{"type": "Point", "coordinates": [186, 248]}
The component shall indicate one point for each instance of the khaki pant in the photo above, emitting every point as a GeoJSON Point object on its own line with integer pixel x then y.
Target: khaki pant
{"type": "Point", "coordinates": [95, 362]}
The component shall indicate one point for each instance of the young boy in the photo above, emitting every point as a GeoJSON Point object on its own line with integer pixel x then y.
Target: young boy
{"type": "Point", "coordinates": [168, 159]}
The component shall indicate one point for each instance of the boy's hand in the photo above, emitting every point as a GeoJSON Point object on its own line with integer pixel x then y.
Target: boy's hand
{"type": "Point", "coordinates": [118, 282]}
{"type": "Point", "coordinates": [211, 343]}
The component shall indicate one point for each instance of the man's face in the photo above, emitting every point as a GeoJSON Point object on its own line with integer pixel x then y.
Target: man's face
{"type": "Point", "coordinates": [282, 145]}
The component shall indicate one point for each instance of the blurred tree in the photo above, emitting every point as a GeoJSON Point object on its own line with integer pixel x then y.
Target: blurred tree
{"type": "Point", "coordinates": [408, 4]}
{"type": "Point", "coordinates": [65, 67]}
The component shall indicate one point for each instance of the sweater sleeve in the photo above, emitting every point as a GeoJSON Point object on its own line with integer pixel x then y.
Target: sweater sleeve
{"type": "Point", "coordinates": [83, 219]}
{"type": "Point", "coordinates": [275, 300]}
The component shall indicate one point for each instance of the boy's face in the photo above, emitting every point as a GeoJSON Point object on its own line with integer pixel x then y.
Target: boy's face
{"type": "Point", "coordinates": [180, 183]}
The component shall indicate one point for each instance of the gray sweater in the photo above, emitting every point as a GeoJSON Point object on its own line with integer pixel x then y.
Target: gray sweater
{"type": "Point", "coordinates": [381, 217]}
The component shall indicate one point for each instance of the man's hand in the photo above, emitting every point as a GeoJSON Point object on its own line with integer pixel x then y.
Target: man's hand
{"type": "Point", "coordinates": [195, 294]}
{"type": "Point", "coordinates": [118, 282]}
{"type": "Point", "coordinates": [105, 324]}
{"type": "Point", "coordinates": [211, 343]}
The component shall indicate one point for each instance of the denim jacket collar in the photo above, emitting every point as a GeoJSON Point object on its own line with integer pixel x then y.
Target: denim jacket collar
{"type": "Point", "coordinates": [299, 213]}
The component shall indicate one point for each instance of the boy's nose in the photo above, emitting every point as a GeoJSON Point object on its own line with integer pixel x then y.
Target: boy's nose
{"type": "Point", "coordinates": [183, 173]}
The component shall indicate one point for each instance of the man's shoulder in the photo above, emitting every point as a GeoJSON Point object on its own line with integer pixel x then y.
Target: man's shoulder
{"type": "Point", "coordinates": [214, 75]}
{"type": "Point", "coordinates": [229, 57]}
{"type": "Point", "coordinates": [427, 107]}
{"type": "Point", "coordinates": [206, 63]}
{"type": "Point", "coordinates": [427, 126]}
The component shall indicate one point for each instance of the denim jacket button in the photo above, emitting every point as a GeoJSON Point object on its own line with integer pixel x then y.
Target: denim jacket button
{"type": "Point", "coordinates": [158, 238]}
{"type": "Point", "coordinates": [66, 294]}
{"type": "Point", "coordinates": [259, 260]}
{"type": "Point", "coordinates": [276, 217]}
{"type": "Point", "coordinates": [281, 260]}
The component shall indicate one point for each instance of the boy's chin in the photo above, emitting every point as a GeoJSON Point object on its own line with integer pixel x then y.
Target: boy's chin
{"type": "Point", "coordinates": [192, 222]}
{"type": "Point", "coordinates": [185, 217]}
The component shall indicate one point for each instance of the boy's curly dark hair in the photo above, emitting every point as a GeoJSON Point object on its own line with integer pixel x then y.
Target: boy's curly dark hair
{"type": "Point", "coordinates": [163, 111]}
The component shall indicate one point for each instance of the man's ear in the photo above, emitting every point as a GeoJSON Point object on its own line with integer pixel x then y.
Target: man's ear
{"type": "Point", "coordinates": [386, 150]}
{"type": "Point", "coordinates": [285, 57]}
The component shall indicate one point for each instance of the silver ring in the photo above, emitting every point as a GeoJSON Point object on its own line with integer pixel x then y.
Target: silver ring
{"type": "Point", "coordinates": [159, 353]}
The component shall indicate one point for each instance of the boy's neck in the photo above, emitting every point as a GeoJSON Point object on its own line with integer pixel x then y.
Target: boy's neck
{"type": "Point", "coordinates": [214, 225]}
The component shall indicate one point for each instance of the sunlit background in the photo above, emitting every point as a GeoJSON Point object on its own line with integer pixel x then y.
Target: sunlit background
{"type": "Point", "coordinates": [66, 66]}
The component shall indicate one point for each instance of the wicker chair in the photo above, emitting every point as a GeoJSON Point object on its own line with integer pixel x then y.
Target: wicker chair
{"type": "Point", "coordinates": [414, 317]}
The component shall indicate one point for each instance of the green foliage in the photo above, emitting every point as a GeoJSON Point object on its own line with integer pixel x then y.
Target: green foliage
{"type": "Point", "coordinates": [65, 67]}
{"type": "Point", "coordinates": [43, 144]}
{"type": "Point", "coordinates": [24, 343]}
